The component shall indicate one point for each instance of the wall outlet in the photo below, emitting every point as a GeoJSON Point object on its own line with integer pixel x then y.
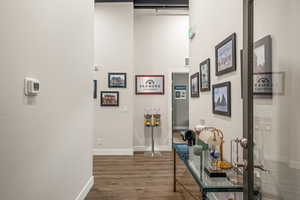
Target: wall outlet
{"type": "Point", "coordinates": [31, 87]}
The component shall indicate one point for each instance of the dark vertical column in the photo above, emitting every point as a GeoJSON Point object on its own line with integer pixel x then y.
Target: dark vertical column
{"type": "Point", "coordinates": [248, 8]}
{"type": "Point", "coordinates": [174, 169]}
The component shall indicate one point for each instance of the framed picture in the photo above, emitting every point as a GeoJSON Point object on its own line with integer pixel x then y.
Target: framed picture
{"type": "Point", "coordinates": [180, 92]}
{"type": "Point", "coordinates": [95, 89]}
{"type": "Point", "coordinates": [109, 98]}
{"type": "Point", "coordinates": [117, 80]}
{"type": "Point", "coordinates": [222, 99]}
{"type": "Point", "coordinates": [149, 84]}
{"type": "Point", "coordinates": [269, 83]}
{"type": "Point", "coordinates": [205, 75]}
{"type": "Point", "coordinates": [262, 67]}
{"type": "Point", "coordinates": [262, 58]}
{"type": "Point", "coordinates": [262, 83]}
{"type": "Point", "coordinates": [195, 85]}
{"type": "Point", "coordinates": [226, 55]}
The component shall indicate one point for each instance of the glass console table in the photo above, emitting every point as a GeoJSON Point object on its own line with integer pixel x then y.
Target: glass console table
{"type": "Point", "coordinates": [206, 184]}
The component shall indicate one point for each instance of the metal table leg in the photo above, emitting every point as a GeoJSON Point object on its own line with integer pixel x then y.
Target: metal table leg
{"type": "Point", "coordinates": [152, 144]}
{"type": "Point", "coordinates": [204, 197]}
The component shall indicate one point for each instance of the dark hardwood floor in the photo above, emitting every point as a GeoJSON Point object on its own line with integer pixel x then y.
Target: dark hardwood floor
{"type": "Point", "coordinates": [140, 178]}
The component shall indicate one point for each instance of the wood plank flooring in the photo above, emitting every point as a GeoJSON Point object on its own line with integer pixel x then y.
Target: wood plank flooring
{"type": "Point", "coordinates": [140, 178]}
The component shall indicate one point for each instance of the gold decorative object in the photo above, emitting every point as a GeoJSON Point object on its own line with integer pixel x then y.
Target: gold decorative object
{"type": "Point", "coordinates": [217, 138]}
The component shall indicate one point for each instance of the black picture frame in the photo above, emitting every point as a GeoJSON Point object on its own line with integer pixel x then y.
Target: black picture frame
{"type": "Point", "coordinates": [224, 108]}
{"type": "Point", "coordinates": [115, 84]}
{"type": "Point", "coordinates": [202, 84]}
{"type": "Point", "coordinates": [194, 82]}
{"type": "Point", "coordinates": [95, 82]}
{"type": "Point", "coordinates": [262, 67]}
{"type": "Point", "coordinates": [266, 66]}
{"type": "Point", "coordinates": [104, 102]}
{"type": "Point", "coordinates": [222, 47]}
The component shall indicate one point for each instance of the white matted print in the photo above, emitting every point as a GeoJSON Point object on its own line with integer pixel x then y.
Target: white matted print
{"type": "Point", "coordinates": [149, 84]}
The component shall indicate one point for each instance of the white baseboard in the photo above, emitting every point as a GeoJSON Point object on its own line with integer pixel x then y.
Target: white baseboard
{"type": "Point", "coordinates": [113, 152]}
{"type": "Point", "coordinates": [294, 164]}
{"type": "Point", "coordinates": [160, 148]}
{"type": "Point", "coordinates": [85, 190]}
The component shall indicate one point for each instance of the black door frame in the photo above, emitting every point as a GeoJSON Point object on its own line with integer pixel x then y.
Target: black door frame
{"type": "Point", "coordinates": [247, 84]}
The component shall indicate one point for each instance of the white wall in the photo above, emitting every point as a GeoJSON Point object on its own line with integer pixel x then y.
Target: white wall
{"type": "Point", "coordinates": [114, 53]}
{"type": "Point", "coordinates": [46, 141]}
{"type": "Point", "coordinates": [278, 118]}
{"type": "Point", "coordinates": [294, 72]}
{"type": "Point", "coordinates": [213, 21]}
{"type": "Point", "coordinates": [136, 44]}
{"type": "Point", "coordinates": [161, 44]}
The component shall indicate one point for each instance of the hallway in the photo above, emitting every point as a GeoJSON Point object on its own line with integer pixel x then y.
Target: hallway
{"type": "Point", "coordinates": [88, 86]}
{"type": "Point", "coordinates": [139, 178]}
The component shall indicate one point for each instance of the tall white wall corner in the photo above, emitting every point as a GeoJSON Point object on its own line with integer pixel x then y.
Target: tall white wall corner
{"type": "Point", "coordinates": [85, 190]}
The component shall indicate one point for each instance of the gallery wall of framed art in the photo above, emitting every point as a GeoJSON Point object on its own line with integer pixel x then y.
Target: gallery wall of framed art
{"type": "Point", "coordinates": [225, 62]}
{"type": "Point", "coordinates": [262, 67]}
{"type": "Point", "coordinates": [116, 80]}
{"type": "Point", "coordinates": [266, 82]}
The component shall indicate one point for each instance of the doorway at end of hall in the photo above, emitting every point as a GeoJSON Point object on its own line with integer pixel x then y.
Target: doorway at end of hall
{"type": "Point", "coordinates": [180, 106]}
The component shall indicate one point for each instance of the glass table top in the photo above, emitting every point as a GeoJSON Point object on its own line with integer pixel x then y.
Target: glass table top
{"type": "Point", "coordinates": [208, 184]}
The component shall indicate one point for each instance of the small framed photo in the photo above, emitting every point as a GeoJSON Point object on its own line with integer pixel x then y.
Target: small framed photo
{"type": "Point", "coordinates": [195, 85]}
{"type": "Point", "coordinates": [222, 99]}
{"type": "Point", "coordinates": [149, 84]}
{"type": "Point", "coordinates": [226, 55]}
{"type": "Point", "coordinates": [269, 83]}
{"type": "Point", "coordinates": [262, 84]}
{"type": "Point", "coordinates": [95, 89]}
{"type": "Point", "coordinates": [109, 98]}
{"type": "Point", "coordinates": [180, 92]}
{"type": "Point", "coordinates": [262, 58]}
{"type": "Point", "coordinates": [117, 80]}
{"type": "Point", "coordinates": [262, 67]}
{"type": "Point", "coordinates": [205, 75]}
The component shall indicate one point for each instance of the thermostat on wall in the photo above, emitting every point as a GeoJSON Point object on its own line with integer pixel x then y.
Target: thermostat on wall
{"type": "Point", "coordinates": [31, 87]}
